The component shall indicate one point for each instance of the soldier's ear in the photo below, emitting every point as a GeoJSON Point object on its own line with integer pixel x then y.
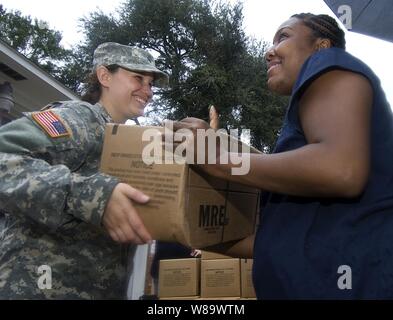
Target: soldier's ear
{"type": "Point", "coordinates": [103, 76]}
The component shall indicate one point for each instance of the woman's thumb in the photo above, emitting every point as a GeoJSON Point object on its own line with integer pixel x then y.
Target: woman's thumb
{"type": "Point", "coordinates": [213, 117]}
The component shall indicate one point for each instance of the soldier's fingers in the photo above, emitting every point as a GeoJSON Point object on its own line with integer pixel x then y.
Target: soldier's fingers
{"type": "Point", "coordinates": [114, 236]}
{"type": "Point", "coordinates": [114, 226]}
{"type": "Point", "coordinates": [122, 237]}
{"type": "Point", "coordinates": [138, 226]}
{"type": "Point", "coordinates": [107, 221]}
{"type": "Point", "coordinates": [129, 234]}
{"type": "Point", "coordinates": [135, 194]}
{"type": "Point", "coordinates": [119, 235]}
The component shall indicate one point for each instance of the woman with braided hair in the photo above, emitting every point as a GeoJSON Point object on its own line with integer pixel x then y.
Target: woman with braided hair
{"type": "Point", "coordinates": [326, 224]}
{"type": "Point", "coordinates": [323, 26]}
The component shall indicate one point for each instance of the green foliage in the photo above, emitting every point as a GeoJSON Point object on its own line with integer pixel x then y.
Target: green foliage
{"type": "Point", "coordinates": [199, 43]}
{"type": "Point", "coordinates": [202, 46]}
{"type": "Point", "coordinates": [33, 39]}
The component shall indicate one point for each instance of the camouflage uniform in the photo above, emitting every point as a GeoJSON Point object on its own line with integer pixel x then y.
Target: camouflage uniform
{"type": "Point", "coordinates": [55, 197]}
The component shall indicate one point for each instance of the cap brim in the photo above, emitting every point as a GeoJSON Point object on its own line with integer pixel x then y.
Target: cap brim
{"type": "Point", "coordinates": [161, 79]}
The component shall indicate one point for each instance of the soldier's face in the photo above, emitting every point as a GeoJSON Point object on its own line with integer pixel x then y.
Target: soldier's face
{"type": "Point", "coordinates": [129, 92]}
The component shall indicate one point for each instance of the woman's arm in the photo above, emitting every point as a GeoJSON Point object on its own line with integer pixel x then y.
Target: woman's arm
{"type": "Point", "coordinates": [37, 180]}
{"type": "Point", "coordinates": [238, 249]}
{"type": "Point", "coordinates": [335, 116]}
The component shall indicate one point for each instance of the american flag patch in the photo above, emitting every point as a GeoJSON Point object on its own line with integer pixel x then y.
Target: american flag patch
{"type": "Point", "coordinates": [51, 123]}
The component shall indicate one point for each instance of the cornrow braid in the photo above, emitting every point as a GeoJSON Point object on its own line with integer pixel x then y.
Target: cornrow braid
{"type": "Point", "coordinates": [323, 26]}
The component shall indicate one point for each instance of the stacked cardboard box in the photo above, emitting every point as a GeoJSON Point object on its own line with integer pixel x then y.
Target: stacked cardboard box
{"type": "Point", "coordinates": [223, 276]}
{"type": "Point", "coordinates": [214, 276]}
{"type": "Point", "coordinates": [207, 255]}
{"type": "Point", "coordinates": [247, 287]}
{"type": "Point", "coordinates": [220, 278]}
{"type": "Point", "coordinates": [179, 278]}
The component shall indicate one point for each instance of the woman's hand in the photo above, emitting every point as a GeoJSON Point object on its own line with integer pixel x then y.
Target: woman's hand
{"type": "Point", "coordinates": [197, 150]}
{"type": "Point", "coordinates": [213, 117]}
{"type": "Point", "coordinates": [194, 123]}
{"type": "Point", "coordinates": [120, 218]}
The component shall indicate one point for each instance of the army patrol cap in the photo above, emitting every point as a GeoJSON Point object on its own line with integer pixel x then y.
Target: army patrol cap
{"type": "Point", "coordinates": [130, 58]}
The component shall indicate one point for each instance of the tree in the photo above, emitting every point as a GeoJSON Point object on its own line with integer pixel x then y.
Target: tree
{"type": "Point", "coordinates": [199, 43]}
{"type": "Point", "coordinates": [202, 46]}
{"type": "Point", "coordinates": [33, 39]}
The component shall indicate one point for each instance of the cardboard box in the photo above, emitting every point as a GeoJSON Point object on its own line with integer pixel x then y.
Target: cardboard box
{"type": "Point", "coordinates": [179, 277]}
{"type": "Point", "coordinates": [247, 287]}
{"type": "Point", "coordinates": [207, 255]}
{"type": "Point", "coordinates": [181, 298]}
{"type": "Point", "coordinates": [191, 208]}
{"type": "Point", "coordinates": [221, 298]}
{"type": "Point", "coordinates": [220, 278]}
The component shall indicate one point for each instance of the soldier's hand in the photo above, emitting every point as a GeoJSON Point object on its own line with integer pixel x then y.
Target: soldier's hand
{"type": "Point", "coordinates": [121, 220]}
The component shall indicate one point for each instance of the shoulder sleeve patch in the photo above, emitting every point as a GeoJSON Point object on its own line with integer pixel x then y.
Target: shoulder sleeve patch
{"type": "Point", "coordinates": [51, 123]}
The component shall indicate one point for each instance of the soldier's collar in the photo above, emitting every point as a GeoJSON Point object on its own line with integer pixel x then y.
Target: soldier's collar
{"type": "Point", "coordinates": [107, 117]}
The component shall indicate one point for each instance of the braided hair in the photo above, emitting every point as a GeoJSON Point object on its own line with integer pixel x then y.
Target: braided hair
{"type": "Point", "coordinates": [323, 26]}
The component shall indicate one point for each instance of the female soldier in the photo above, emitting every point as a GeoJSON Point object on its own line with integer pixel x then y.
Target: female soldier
{"type": "Point", "coordinates": [326, 225]}
{"type": "Point", "coordinates": [60, 208]}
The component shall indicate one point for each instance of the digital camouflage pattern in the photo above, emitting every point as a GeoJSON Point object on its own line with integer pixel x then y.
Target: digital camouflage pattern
{"type": "Point", "coordinates": [54, 197]}
{"type": "Point", "coordinates": [131, 58]}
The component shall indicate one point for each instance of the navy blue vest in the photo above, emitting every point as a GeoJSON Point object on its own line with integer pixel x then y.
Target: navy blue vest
{"type": "Point", "coordinates": [311, 248]}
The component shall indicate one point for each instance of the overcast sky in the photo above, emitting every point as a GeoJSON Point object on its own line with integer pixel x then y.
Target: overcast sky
{"type": "Point", "coordinates": [261, 18]}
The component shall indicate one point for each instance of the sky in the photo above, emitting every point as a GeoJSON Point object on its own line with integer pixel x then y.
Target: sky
{"type": "Point", "coordinates": [261, 19]}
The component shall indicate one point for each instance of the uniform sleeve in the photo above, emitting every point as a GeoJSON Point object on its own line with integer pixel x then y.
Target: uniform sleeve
{"type": "Point", "coordinates": [38, 177]}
